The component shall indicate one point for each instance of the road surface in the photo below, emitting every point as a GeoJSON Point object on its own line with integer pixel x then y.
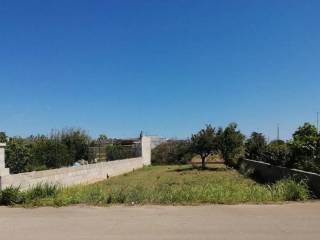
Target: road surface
{"type": "Point", "coordinates": [288, 221]}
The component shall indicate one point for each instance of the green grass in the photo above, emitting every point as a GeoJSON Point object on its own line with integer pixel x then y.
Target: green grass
{"type": "Point", "coordinates": [179, 185]}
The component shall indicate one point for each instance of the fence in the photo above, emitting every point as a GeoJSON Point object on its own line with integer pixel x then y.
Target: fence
{"type": "Point", "coordinates": [270, 173]}
{"type": "Point", "coordinates": [74, 175]}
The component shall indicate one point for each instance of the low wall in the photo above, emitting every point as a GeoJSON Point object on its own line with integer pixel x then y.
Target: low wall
{"type": "Point", "coordinates": [271, 173]}
{"type": "Point", "coordinates": [72, 175]}
{"type": "Point", "coordinates": [77, 175]}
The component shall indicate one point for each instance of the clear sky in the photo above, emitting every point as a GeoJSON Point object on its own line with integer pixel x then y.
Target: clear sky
{"type": "Point", "coordinates": [165, 67]}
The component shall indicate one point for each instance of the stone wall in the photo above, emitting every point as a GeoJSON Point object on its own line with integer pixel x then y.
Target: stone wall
{"type": "Point", "coordinates": [270, 173]}
{"type": "Point", "coordinates": [78, 175]}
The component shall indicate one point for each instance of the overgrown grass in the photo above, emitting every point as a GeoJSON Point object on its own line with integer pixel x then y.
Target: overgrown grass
{"type": "Point", "coordinates": [35, 196]}
{"type": "Point", "coordinates": [182, 185]}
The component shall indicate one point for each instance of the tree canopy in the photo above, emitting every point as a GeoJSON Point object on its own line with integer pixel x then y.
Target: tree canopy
{"type": "Point", "coordinates": [204, 143]}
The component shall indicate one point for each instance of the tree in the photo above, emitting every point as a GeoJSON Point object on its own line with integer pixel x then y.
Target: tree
{"type": "Point", "coordinates": [231, 143]}
{"type": "Point", "coordinates": [172, 152]}
{"type": "Point", "coordinates": [102, 138]}
{"type": "Point", "coordinates": [277, 153]}
{"type": "Point", "coordinates": [256, 146]}
{"type": "Point", "coordinates": [305, 146]}
{"type": "Point", "coordinates": [307, 134]}
{"type": "Point", "coordinates": [117, 151]}
{"type": "Point", "coordinates": [3, 137]}
{"type": "Point", "coordinates": [50, 153]}
{"type": "Point", "coordinates": [76, 140]}
{"type": "Point", "coordinates": [204, 143]}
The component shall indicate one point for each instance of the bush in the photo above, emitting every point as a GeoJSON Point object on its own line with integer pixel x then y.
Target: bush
{"type": "Point", "coordinates": [302, 152]}
{"type": "Point", "coordinates": [18, 155]}
{"type": "Point", "coordinates": [59, 149]}
{"type": "Point", "coordinates": [41, 191]}
{"type": "Point", "coordinates": [116, 152]}
{"type": "Point", "coordinates": [290, 190]}
{"type": "Point", "coordinates": [50, 153]}
{"type": "Point", "coordinates": [172, 152]}
{"type": "Point", "coordinates": [3, 137]}
{"type": "Point", "coordinates": [76, 140]}
{"type": "Point", "coordinates": [11, 196]}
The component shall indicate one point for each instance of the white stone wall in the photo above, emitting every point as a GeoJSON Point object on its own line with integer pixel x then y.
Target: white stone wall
{"type": "Point", "coordinates": [79, 175]}
{"type": "Point", "coordinates": [72, 175]}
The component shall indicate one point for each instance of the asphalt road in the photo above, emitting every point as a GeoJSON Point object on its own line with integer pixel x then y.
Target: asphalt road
{"type": "Point", "coordinates": [287, 221]}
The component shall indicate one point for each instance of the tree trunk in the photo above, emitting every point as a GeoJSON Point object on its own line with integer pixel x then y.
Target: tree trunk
{"type": "Point", "coordinates": [203, 162]}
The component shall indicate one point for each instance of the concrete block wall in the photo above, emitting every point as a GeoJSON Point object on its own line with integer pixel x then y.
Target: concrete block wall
{"type": "Point", "coordinates": [78, 175]}
{"type": "Point", "coordinates": [271, 173]}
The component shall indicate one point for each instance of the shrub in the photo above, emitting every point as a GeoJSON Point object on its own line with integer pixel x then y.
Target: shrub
{"type": "Point", "coordinates": [3, 137]}
{"type": "Point", "coordinates": [115, 152]}
{"type": "Point", "coordinates": [50, 153]}
{"type": "Point", "coordinates": [172, 152]}
{"type": "Point", "coordinates": [11, 196]}
{"type": "Point", "coordinates": [302, 152]}
{"type": "Point", "coordinates": [18, 155]}
{"type": "Point", "coordinates": [42, 191]}
{"type": "Point", "coordinates": [76, 140]}
{"type": "Point", "coordinates": [59, 149]}
{"type": "Point", "coordinates": [290, 190]}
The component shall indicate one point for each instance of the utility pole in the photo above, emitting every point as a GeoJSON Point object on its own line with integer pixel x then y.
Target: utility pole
{"type": "Point", "coordinates": [278, 132]}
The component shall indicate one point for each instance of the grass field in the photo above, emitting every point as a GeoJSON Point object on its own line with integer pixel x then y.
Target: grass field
{"type": "Point", "coordinates": [178, 185]}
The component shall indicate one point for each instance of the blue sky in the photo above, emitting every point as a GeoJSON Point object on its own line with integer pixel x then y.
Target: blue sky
{"type": "Point", "coordinates": [164, 67]}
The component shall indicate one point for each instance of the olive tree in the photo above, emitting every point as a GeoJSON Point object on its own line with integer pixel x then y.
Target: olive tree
{"type": "Point", "coordinates": [204, 143]}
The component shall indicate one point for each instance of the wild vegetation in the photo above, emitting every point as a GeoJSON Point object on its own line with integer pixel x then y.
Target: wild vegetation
{"type": "Point", "coordinates": [228, 142]}
{"type": "Point", "coordinates": [301, 152]}
{"type": "Point", "coordinates": [58, 149]}
{"type": "Point", "coordinates": [65, 147]}
{"type": "Point", "coordinates": [168, 184]}
{"type": "Point", "coordinates": [173, 184]}
{"type": "Point", "coordinates": [172, 152]}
